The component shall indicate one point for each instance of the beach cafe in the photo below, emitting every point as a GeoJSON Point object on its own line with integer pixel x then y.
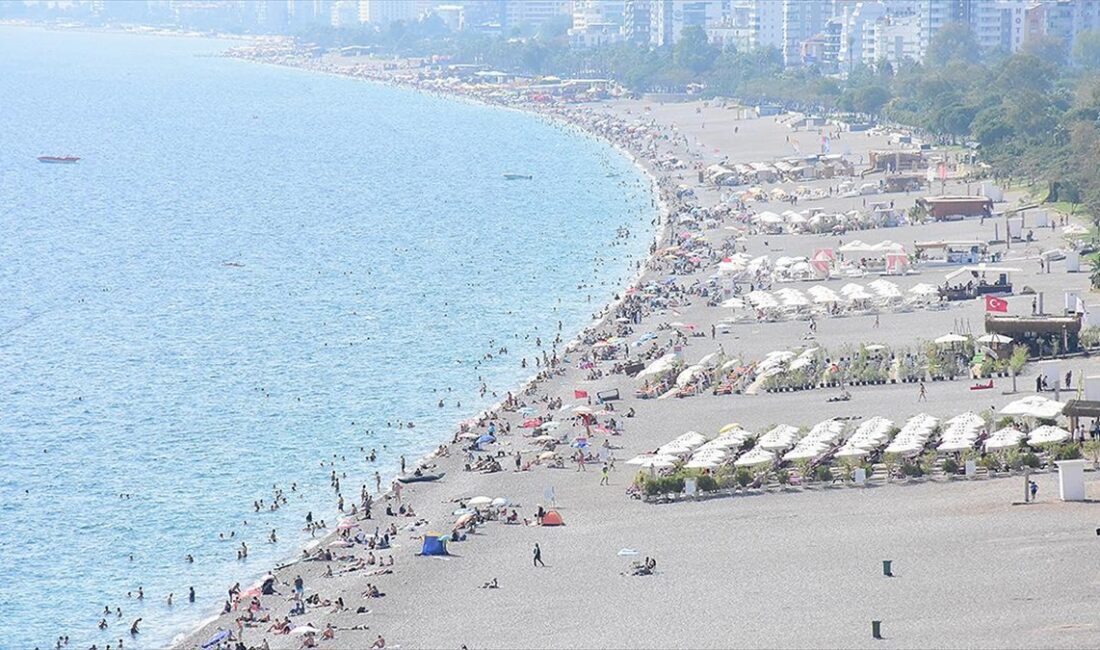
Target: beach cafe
{"type": "Point", "coordinates": [972, 281]}
{"type": "Point", "coordinates": [971, 251]}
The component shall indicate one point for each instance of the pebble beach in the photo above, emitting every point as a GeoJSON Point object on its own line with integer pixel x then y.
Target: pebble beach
{"type": "Point", "coordinates": [765, 565]}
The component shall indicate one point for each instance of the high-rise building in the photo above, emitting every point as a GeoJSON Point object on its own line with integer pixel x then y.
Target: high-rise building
{"type": "Point", "coordinates": [636, 21]}
{"type": "Point", "coordinates": [802, 21]}
{"type": "Point", "coordinates": [534, 13]}
{"type": "Point", "coordinates": [384, 12]}
{"type": "Point", "coordinates": [668, 18]}
{"type": "Point", "coordinates": [766, 18]}
{"type": "Point", "coordinates": [859, 23]}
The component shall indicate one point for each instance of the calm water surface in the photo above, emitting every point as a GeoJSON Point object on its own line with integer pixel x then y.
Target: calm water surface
{"type": "Point", "coordinates": [252, 269]}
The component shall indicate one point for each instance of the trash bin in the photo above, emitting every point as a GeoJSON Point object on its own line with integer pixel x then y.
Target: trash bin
{"type": "Point", "coordinates": [876, 629]}
{"type": "Point", "coordinates": [887, 569]}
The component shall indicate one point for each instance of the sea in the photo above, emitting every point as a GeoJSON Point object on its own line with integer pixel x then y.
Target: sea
{"type": "Point", "coordinates": [254, 276]}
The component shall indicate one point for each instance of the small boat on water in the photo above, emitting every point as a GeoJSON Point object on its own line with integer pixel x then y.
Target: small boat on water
{"type": "Point", "coordinates": [59, 160]}
{"type": "Point", "coordinates": [421, 478]}
{"type": "Point", "coordinates": [518, 177]}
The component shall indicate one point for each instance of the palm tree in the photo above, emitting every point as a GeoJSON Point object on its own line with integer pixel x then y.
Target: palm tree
{"type": "Point", "coordinates": [1094, 272]}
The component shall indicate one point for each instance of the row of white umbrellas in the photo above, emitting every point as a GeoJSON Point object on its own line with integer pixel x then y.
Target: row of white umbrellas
{"type": "Point", "coordinates": [869, 436]}
{"type": "Point", "coordinates": [821, 437]}
{"type": "Point", "coordinates": [914, 435]}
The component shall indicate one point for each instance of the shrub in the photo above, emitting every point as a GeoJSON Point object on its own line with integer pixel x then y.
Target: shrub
{"type": "Point", "coordinates": [783, 476]}
{"type": "Point", "coordinates": [706, 483]}
{"type": "Point", "coordinates": [950, 466]}
{"type": "Point", "coordinates": [1030, 459]}
{"type": "Point", "coordinates": [822, 473]}
{"type": "Point", "coordinates": [743, 477]}
{"type": "Point", "coordinates": [911, 469]}
{"type": "Point", "coordinates": [1066, 451]}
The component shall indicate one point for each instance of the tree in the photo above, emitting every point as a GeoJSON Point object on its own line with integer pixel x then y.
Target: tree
{"type": "Point", "coordinates": [953, 43]}
{"type": "Point", "coordinates": [1051, 49]}
{"type": "Point", "coordinates": [871, 99]}
{"type": "Point", "coordinates": [694, 52]}
{"type": "Point", "coordinates": [1086, 51]}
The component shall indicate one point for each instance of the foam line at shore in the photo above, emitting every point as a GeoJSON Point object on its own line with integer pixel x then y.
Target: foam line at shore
{"type": "Point", "coordinates": [662, 211]}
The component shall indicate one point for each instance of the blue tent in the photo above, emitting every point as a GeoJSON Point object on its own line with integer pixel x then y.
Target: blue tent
{"type": "Point", "coordinates": [434, 545]}
{"type": "Point", "coordinates": [486, 438]}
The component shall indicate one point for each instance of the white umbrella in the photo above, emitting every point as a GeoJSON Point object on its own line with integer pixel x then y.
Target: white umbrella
{"type": "Point", "coordinates": [1035, 406]}
{"type": "Point", "coordinates": [994, 338]}
{"type": "Point", "coordinates": [948, 339]}
{"type": "Point", "coordinates": [754, 457]}
{"type": "Point", "coordinates": [924, 289]}
{"type": "Point", "coordinates": [500, 502]}
{"type": "Point", "coordinates": [479, 501]}
{"type": "Point", "coordinates": [1003, 438]}
{"type": "Point", "coordinates": [1046, 435]}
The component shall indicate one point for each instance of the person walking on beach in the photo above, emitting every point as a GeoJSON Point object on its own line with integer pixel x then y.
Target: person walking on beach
{"type": "Point", "coordinates": [538, 556]}
{"type": "Point", "coordinates": [604, 479]}
{"type": "Point", "coordinates": [923, 393]}
{"type": "Point", "coordinates": [1034, 488]}
{"type": "Point", "coordinates": [299, 585]}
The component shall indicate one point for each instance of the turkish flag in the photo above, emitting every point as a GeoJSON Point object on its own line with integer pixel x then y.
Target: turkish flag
{"type": "Point", "coordinates": [580, 394]}
{"type": "Point", "coordinates": [993, 303]}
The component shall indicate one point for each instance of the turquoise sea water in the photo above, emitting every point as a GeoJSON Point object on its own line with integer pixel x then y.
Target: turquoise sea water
{"type": "Point", "coordinates": [250, 269]}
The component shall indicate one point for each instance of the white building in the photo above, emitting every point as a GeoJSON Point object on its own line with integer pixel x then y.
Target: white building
{"type": "Point", "coordinates": [385, 12]}
{"type": "Point", "coordinates": [858, 25]}
{"type": "Point", "coordinates": [802, 21]}
{"type": "Point", "coordinates": [766, 18]}
{"type": "Point", "coordinates": [668, 18]}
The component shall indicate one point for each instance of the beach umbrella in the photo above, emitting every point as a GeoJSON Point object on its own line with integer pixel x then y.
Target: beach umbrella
{"type": "Point", "coordinates": [1004, 438]}
{"type": "Point", "coordinates": [1046, 435]}
{"type": "Point", "coordinates": [347, 524]}
{"type": "Point", "coordinates": [994, 338]}
{"type": "Point", "coordinates": [729, 427]}
{"type": "Point", "coordinates": [500, 502]}
{"type": "Point", "coordinates": [544, 438]}
{"type": "Point", "coordinates": [478, 502]}
{"type": "Point", "coordinates": [464, 519]}
{"type": "Point", "coordinates": [547, 455]}
{"type": "Point", "coordinates": [549, 426]}
{"type": "Point", "coordinates": [924, 289]}
{"type": "Point", "coordinates": [485, 439]}
{"type": "Point", "coordinates": [1035, 406]}
{"type": "Point", "coordinates": [582, 410]}
{"type": "Point", "coordinates": [949, 339]}
{"type": "Point", "coordinates": [531, 424]}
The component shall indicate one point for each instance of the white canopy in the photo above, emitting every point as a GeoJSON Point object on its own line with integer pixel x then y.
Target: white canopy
{"type": "Point", "coordinates": [756, 456]}
{"type": "Point", "coordinates": [659, 367]}
{"type": "Point", "coordinates": [778, 438]}
{"type": "Point", "coordinates": [1046, 435]}
{"type": "Point", "coordinates": [1035, 406]}
{"type": "Point", "coordinates": [1003, 438]}
{"type": "Point", "coordinates": [948, 339]}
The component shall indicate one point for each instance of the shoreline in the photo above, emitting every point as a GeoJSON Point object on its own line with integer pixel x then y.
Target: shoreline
{"type": "Point", "coordinates": [662, 215]}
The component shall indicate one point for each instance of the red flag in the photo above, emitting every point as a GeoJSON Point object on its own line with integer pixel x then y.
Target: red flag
{"type": "Point", "coordinates": [580, 394]}
{"type": "Point", "coordinates": [993, 303]}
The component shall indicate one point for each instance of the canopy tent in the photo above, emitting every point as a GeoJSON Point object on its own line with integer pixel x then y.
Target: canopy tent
{"type": "Point", "coordinates": [552, 518]}
{"type": "Point", "coordinates": [434, 544]}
